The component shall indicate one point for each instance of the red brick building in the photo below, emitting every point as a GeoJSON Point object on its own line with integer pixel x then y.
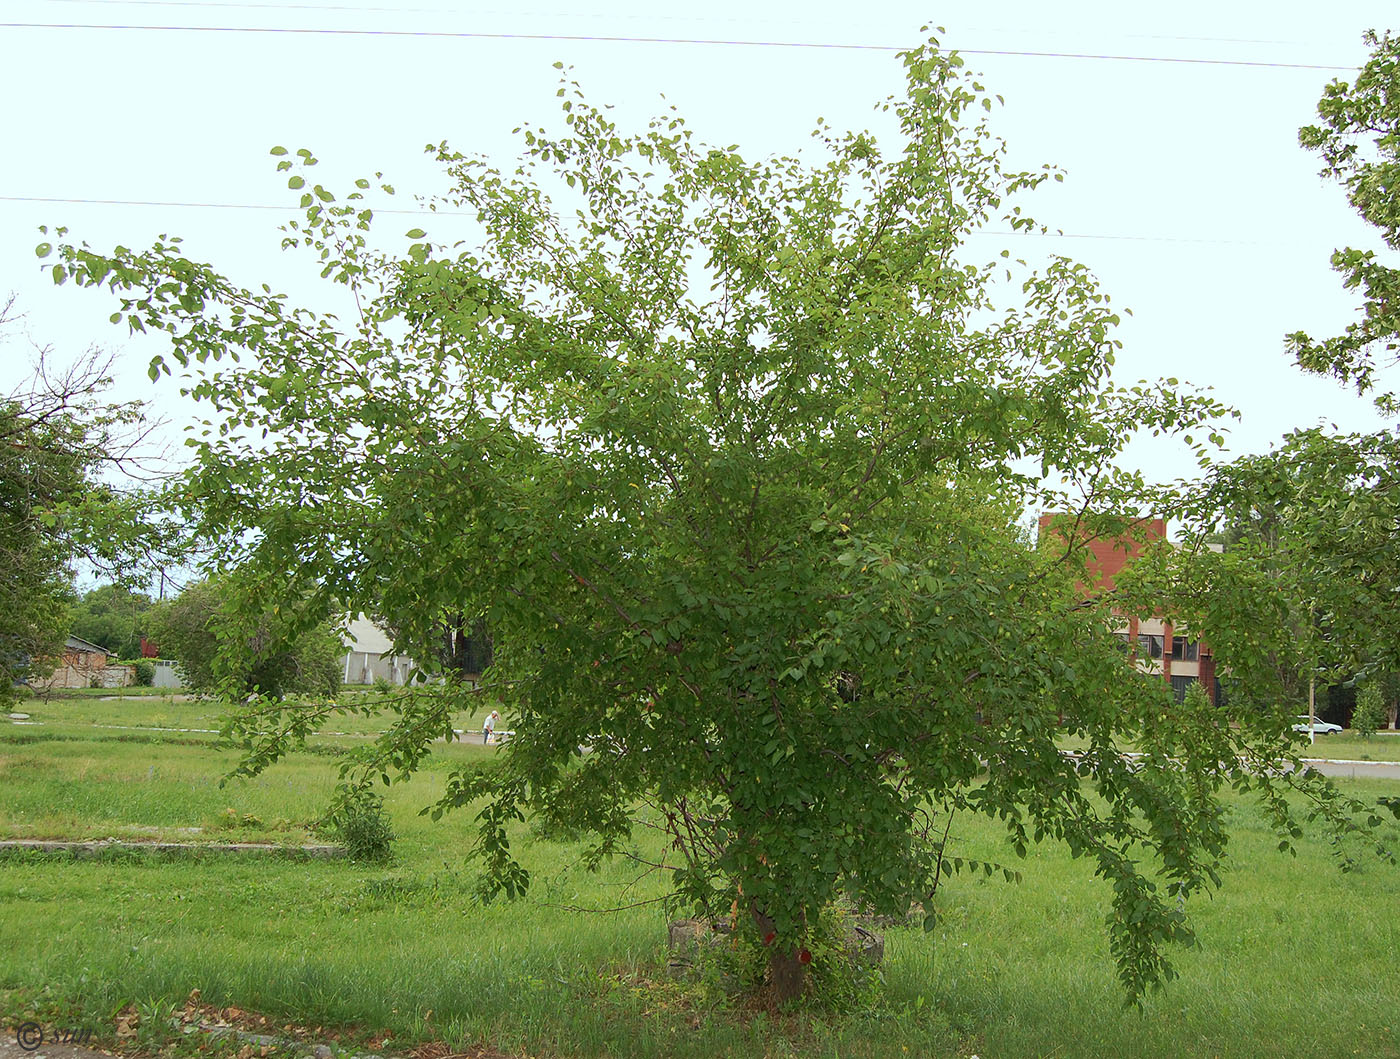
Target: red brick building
{"type": "Point", "coordinates": [1159, 648]}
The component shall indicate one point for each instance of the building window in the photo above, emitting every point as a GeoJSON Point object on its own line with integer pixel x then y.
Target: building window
{"type": "Point", "coordinates": [1123, 641]}
{"type": "Point", "coordinates": [1184, 650]}
{"type": "Point", "coordinates": [1150, 646]}
{"type": "Point", "coordinates": [1179, 686]}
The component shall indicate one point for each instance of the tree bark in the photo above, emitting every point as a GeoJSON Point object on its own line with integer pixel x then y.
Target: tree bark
{"type": "Point", "coordinates": [787, 975]}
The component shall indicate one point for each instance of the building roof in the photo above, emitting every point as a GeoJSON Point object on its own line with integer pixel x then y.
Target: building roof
{"type": "Point", "coordinates": [75, 643]}
{"type": "Point", "coordinates": [361, 634]}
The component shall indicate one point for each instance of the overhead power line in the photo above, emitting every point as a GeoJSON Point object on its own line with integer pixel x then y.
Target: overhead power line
{"type": "Point", "coordinates": [203, 205]}
{"type": "Point", "coordinates": [1127, 237]}
{"type": "Point", "coordinates": [608, 39]}
{"type": "Point", "coordinates": [623, 16]}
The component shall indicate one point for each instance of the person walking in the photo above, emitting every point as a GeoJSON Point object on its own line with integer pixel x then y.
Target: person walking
{"type": "Point", "coordinates": [488, 727]}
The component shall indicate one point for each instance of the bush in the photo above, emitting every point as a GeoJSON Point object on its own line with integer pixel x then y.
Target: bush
{"type": "Point", "coordinates": [837, 981]}
{"type": "Point", "coordinates": [362, 827]}
{"type": "Point", "coordinates": [1196, 698]}
{"type": "Point", "coordinates": [143, 673]}
{"type": "Point", "coordinates": [276, 653]}
{"type": "Point", "coordinates": [1370, 712]}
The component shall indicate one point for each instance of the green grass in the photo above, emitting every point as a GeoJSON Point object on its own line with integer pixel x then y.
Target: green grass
{"type": "Point", "coordinates": [133, 712]}
{"type": "Point", "coordinates": [130, 691]}
{"type": "Point", "coordinates": [1349, 746]}
{"type": "Point", "coordinates": [1295, 958]}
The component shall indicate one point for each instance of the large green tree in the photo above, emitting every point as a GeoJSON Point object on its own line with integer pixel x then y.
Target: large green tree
{"type": "Point", "coordinates": [1337, 500]}
{"type": "Point", "coordinates": [732, 453]}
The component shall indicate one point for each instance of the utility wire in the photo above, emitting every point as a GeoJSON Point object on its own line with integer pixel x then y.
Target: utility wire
{"type": "Point", "coordinates": [606, 39]}
{"type": "Point", "coordinates": [459, 213]}
{"type": "Point", "coordinates": [476, 12]}
{"type": "Point", "coordinates": [250, 7]}
{"type": "Point", "coordinates": [205, 205]}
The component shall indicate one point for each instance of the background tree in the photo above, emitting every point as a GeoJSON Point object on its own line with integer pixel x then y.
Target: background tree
{"type": "Point", "coordinates": [57, 439]}
{"type": "Point", "coordinates": [1359, 141]}
{"type": "Point", "coordinates": [113, 616]}
{"type": "Point", "coordinates": [279, 652]}
{"type": "Point", "coordinates": [1370, 710]}
{"type": "Point", "coordinates": [734, 454]}
{"type": "Point", "coordinates": [463, 644]}
{"type": "Point", "coordinates": [1312, 526]}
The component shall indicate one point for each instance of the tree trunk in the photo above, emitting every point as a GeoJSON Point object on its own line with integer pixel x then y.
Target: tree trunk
{"type": "Point", "coordinates": [786, 973]}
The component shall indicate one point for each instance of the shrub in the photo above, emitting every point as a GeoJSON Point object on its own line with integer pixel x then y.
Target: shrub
{"type": "Point", "coordinates": [143, 673]}
{"type": "Point", "coordinates": [837, 979]}
{"type": "Point", "coordinates": [218, 650]}
{"type": "Point", "coordinates": [1196, 698]}
{"type": "Point", "coordinates": [382, 686]}
{"type": "Point", "coordinates": [362, 827]}
{"type": "Point", "coordinates": [1370, 712]}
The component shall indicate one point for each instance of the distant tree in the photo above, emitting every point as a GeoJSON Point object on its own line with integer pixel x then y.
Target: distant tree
{"type": "Point", "coordinates": [113, 616]}
{"type": "Point", "coordinates": [1311, 526]}
{"type": "Point", "coordinates": [217, 651]}
{"type": "Point", "coordinates": [57, 437]}
{"type": "Point", "coordinates": [1359, 141]}
{"type": "Point", "coordinates": [1389, 682]}
{"type": "Point", "coordinates": [1370, 712]}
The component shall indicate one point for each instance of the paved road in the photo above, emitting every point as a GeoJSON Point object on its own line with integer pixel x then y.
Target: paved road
{"type": "Point", "coordinates": [1357, 770]}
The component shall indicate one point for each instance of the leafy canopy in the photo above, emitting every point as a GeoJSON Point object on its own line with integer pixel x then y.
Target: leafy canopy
{"type": "Point", "coordinates": [271, 654]}
{"type": "Point", "coordinates": [113, 616]}
{"type": "Point", "coordinates": [1359, 142]}
{"type": "Point", "coordinates": [59, 441]}
{"type": "Point", "coordinates": [730, 455]}
{"type": "Point", "coordinates": [1311, 527]}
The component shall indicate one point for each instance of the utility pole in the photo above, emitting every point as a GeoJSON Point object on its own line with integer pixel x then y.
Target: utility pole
{"type": "Point", "coordinates": [1312, 710]}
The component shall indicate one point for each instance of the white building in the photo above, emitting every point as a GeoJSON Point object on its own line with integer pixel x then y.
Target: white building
{"type": "Point", "coordinates": [368, 654]}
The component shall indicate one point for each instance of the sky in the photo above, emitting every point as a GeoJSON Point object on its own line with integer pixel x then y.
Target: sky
{"type": "Point", "coordinates": [1186, 192]}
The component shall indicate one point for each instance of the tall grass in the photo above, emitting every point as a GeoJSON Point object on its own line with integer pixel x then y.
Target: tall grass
{"type": "Point", "coordinates": [1295, 958]}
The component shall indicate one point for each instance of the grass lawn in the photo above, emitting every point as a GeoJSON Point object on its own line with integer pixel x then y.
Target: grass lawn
{"type": "Point", "coordinates": [1347, 745]}
{"type": "Point", "coordinates": [127, 712]}
{"type": "Point", "coordinates": [1294, 959]}
{"type": "Point", "coordinates": [132, 691]}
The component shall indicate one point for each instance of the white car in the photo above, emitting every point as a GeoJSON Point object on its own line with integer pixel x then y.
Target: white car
{"type": "Point", "coordinates": [1319, 727]}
